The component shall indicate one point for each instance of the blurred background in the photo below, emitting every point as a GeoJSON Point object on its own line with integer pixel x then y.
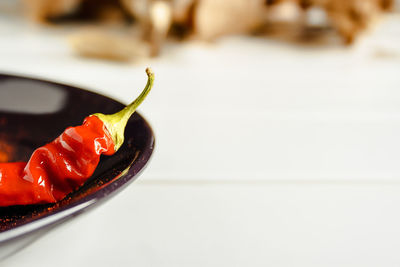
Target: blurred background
{"type": "Point", "coordinates": [276, 125]}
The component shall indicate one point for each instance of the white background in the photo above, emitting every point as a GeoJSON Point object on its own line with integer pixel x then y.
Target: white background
{"type": "Point", "coordinates": [268, 154]}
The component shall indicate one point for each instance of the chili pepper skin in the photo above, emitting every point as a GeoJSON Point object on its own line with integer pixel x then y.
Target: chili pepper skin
{"type": "Point", "coordinates": [54, 170]}
{"type": "Point", "coordinates": [60, 167]}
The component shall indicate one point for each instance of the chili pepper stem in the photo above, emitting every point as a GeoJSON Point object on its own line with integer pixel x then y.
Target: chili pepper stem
{"type": "Point", "coordinates": [115, 123]}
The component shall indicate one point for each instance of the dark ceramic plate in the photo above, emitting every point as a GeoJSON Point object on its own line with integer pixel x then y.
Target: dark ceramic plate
{"type": "Point", "coordinates": [34, 112]}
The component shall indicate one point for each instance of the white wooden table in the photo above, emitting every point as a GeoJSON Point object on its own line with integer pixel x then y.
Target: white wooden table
{"type": "Point", "coordinates": [268, 154]}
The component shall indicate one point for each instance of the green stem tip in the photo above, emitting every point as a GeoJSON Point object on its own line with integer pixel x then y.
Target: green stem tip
{"type": "Point", "coordinates": [115, 123]}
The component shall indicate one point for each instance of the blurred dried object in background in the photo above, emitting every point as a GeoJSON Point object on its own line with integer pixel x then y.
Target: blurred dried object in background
{"type": "Point", "coordinates": [106, 44]}
{"type": "Point", "coordinates": [41, 10]}
{"type": "Point", "coordinates": [350, 17]}
{"type": "Point", "coordinates": [201, 19]}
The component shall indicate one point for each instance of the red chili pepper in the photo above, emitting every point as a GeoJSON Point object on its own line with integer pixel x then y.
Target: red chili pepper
{"type": "Point", "coordinates": [60, 167]}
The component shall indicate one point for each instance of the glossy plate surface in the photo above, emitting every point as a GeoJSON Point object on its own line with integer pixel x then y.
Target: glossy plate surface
{"type": "Point", "coordinates": [34, 112]}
